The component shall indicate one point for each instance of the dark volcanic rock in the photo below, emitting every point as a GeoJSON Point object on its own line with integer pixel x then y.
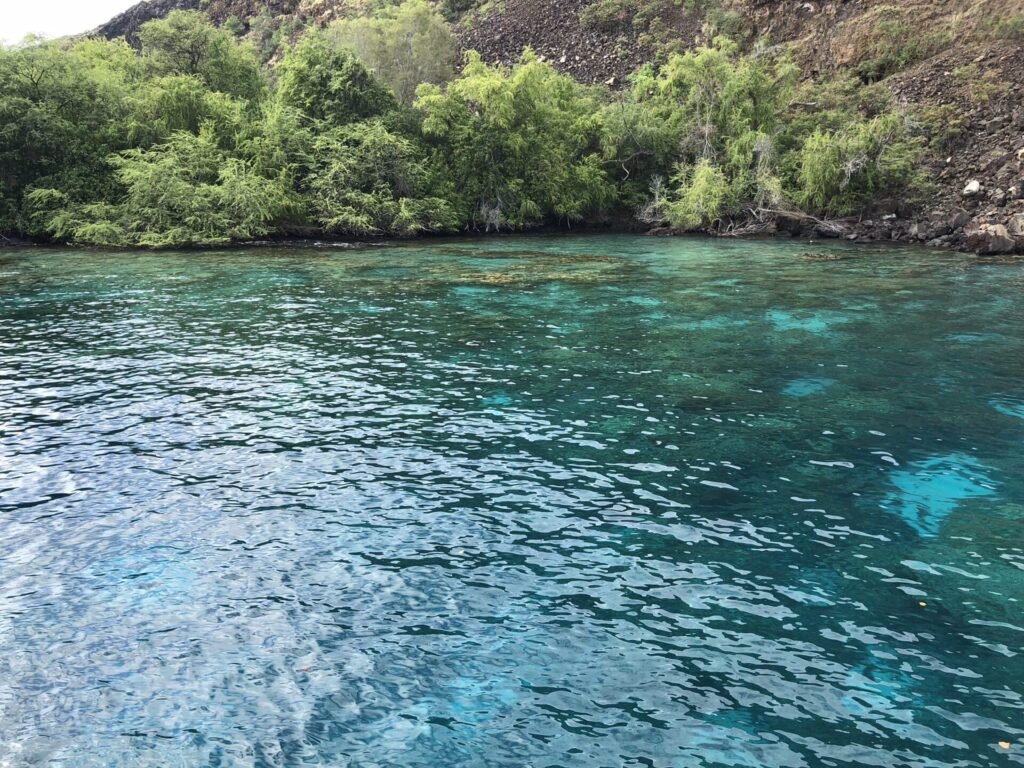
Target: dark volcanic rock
{"type": "Point", "coordinates": [553, 30]}
{"type": "Point", "coordinates": [127, 24]}
{"type": "Point", "coordinates": [990, 239]}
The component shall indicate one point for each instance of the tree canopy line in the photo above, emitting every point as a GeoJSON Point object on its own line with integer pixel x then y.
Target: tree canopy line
{"type": "Point", "coordinates": [366, 128]}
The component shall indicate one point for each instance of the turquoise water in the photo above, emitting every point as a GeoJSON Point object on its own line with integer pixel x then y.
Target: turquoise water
{"type": "Point", "coordinates": [589, 501]}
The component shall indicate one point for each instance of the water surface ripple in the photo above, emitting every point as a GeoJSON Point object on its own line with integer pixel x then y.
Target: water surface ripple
{"type": "Point", "coordinates": [588, 501]}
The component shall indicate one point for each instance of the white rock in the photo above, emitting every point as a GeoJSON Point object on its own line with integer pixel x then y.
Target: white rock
{"type": "Point", "coordinates": [973, 188]}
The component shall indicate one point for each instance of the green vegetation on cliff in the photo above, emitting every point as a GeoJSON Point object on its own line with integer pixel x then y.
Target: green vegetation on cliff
{"type": "Point", "coordinates": [365, 129]}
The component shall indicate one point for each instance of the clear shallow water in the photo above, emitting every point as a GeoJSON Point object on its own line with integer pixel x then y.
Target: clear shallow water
{"type": "Point", "coordinates": [596, 501]}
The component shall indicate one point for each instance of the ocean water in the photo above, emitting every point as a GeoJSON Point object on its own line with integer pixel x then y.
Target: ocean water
{"type": "Point", "coordinates": [544, 501]}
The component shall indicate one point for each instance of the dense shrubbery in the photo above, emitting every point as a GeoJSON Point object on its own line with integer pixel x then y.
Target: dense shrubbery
{"type": "Point", "coordinates": [192, 141]}
{"type": "Point", "coordinates": [369, 180]}
{"type": "Point", "coordinates": [521, 147]}
{"type": "Point", "coordinates": [403, 45]}
{"type": "Point", "coordinates": [741, 139]}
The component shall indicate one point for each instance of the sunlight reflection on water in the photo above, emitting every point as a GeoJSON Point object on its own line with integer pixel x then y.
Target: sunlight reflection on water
{"type": "Point", "coordinates": [578, 501]}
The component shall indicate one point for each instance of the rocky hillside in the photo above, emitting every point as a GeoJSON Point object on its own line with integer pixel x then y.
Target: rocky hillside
{"type": "Point", "coordinates": [957, 66]}
{"type": "Point", "coordinates": [127, 24]}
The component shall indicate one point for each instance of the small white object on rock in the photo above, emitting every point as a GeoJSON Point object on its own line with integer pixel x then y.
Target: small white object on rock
{"type": "Point", "coordinates": [973, 188]}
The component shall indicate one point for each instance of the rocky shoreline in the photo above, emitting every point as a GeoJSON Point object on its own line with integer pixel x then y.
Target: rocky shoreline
{"type": "Point", "coordinates": [958, 229]}
{"type": "Point", "coordinates": [982, 240]}
{"type": "Point", "coordinates": [989, 222]}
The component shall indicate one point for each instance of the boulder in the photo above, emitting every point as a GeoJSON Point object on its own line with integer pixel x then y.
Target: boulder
{"type": "Point", "coordinates": [973, 188]}
{"type": "Point", "coordinates": [990, 239]}
{"type": "Point", "coordinates": [959, 219]}
{"type": "Point", "coordinates": [792, 225]}
{"type": "Point", "coordinates": [1015, 226]}
{"type": "Point", "coordinates": [942, 224]}
{"type": "Point", "coordinates": [828, 231]}
{"type": "Point", "coordinates": [1007, 172]}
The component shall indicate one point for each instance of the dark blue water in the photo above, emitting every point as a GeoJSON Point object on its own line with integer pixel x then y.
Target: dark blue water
{"type": "Point", "coordinates": [599, 501]}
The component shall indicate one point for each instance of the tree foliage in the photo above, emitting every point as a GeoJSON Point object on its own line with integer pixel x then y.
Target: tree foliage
{"type": "Point", "coordinates": [404, 45]}
{"type": "Point", "coordinates": [521, 146]}
{"type": "Point", "coordinates": [185, 43]}
{"type": "Point", "coordinates": [746, 140]}
{"type": "Point", "coordinates": [366, 180]}
{"type": "Point", "coordinates": [187, 190]}
{"type": "Point", "coordinates": [329, 84]}
{"type": "Point", "coordinates": [62, 111]}
{"type": "Point", "coordinates": [191, 141]}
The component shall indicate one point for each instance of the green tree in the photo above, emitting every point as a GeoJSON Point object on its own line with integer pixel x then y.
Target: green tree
{"type": "Point", "coordinates": [403, 45]}
{"type": "Point", "coordinates": [841, 171]}
{"type": "Point", "coordinates": [330, 85]}
{"type": "Point", "coordinates": [186, 43]}
{"type": "Point", "coordinates": [728, 109]}
{"type": "Point", "coordinates": [367, 180]}
{"type": "Point", "coordinates": [186, 191]}
{"type": "Point", "coordinates": [703, 191]}
{"type": "Point", "coordinates": [172, 103]}
{"type": "Point", "coordinates": [521, 146]}
{"type": "Point", "coordinates": [62, 111]}
{"type": "Point", "coordinates": [744, 140]}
